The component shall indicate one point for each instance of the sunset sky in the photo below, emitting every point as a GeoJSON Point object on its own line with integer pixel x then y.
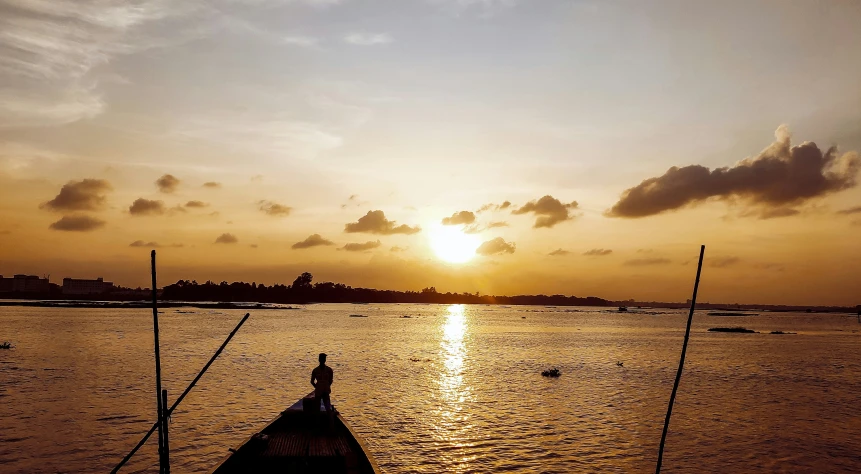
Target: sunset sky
{"type": "Point", "coordinates": [500, 146]}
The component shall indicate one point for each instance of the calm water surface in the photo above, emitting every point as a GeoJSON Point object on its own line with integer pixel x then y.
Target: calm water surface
{"type": "Point", "coordinates": [451, 389]}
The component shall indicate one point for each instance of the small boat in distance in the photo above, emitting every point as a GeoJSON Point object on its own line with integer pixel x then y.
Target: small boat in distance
{"type": "Point", "coordinates": [300, 441]}
{"type": "Point", "coordinates": [623, 309]}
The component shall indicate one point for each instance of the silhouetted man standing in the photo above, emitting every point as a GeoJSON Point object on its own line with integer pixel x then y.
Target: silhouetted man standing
{"type": "Point", "coordinates": [321, 379]}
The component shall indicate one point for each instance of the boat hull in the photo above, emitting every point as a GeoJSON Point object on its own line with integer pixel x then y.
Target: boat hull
{"type": "Point", "coordinates": [301, 441]}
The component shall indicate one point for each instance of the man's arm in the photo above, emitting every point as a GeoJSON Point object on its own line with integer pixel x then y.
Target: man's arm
{"type": "Point", "coordinates": [313, 381]}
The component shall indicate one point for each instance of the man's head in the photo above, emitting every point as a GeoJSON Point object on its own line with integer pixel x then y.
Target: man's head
{"type": "Point", "coordinates": [322, 358]}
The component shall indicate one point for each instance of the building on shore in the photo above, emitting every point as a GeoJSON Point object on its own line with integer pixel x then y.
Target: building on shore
{"type": "Point", "coordinates": [75, 286]}
{"type": "Point", "coordinates": [24, 284]}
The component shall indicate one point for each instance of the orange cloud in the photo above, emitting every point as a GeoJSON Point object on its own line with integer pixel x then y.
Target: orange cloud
{"type": "Point", "coordinates": [549, 211]}
{"type": "Point", "coordinates": [84, 195]}
{"type": "Point", "coordinates": [167, 183]}
{"type": "Point", "coordinates": [597, 252]}
{"type": "Point", "coordinates": [559, 253]}
{"type": "Point", "coordinates": [495, 207]}
{"type": "Point", "coordinates": [274, 209]}
{"type": "Point", "coordinates": [375, 222]}
{"type": "Point", "coordinates": [723, 262]}
{"type": "Point", "coordinates": [78, 223]}
{"type": "Point", "coordinates": [495, 246]}
{"type": "Point", "coordinates": [211, 184]}
{"type": "Point", "coordinates": [154, 245]}
{"type": "Point", "coordinates": [780, 177]}
{"type": "Point", "coordinates": [476, 228]}
{"type": "Point", "coordinates": [851, 210]}
{"type": "Point", "coordinates": [314, 240]}
{"type": "Point", "coordinates": [226, 238]}
{"type": "Point", "coordinates": [196, 204]}
{"type": "Point", "coordinates": [357, 247]}
{"type": "Point", "coordinates": [146, 207]}
{"type": "Point", "coordinates": [462, 217]}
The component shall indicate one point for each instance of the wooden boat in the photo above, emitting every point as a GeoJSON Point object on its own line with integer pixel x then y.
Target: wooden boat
{"type": "Point", "coordinates": [300, 440]}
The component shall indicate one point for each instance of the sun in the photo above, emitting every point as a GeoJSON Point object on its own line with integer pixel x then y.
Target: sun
{"type": "Point", "coordinates": [451, 245]}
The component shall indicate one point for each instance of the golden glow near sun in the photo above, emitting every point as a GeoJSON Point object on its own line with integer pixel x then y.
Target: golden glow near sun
{"type": "Point", "coordinates": [450, 244]}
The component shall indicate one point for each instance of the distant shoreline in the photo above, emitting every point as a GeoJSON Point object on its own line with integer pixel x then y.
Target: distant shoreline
{"type": "Point", "coordinates": [146, 304]}
{"type": "Point", "coordinates": [141, 304]}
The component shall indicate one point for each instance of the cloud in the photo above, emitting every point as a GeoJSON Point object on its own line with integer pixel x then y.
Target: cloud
{"type": "Point", "coordinates": [851, 210]}
{"type": "Point", "coordinates": [226, 238]}
{"type": "Point", "coordinates": [254, 246]}
{"type": "Point", "coordinates": [398, 249]}
{"type": "Point", "coordinates": [375, 222]}
{"type": "Point", "coordinates": [77, 223]}
{"type": "Point", "coordinates": [462, 217]}
{"type": "Point", "coordinates": [774, 213]}
{"type": "Point", "coordinates": [559, 253]}
{"type": "Point", "coordinates": [476, 228]}
{"type": "Point", "coordinates": [494, 207]}
{"type": "Point", "coordinates": [484, 8]}
{"type": "Point", "coordinates": [211, 184]}
{"type": "Point", "coordinates": [597, 252]}
{"type": "Point", "coordinates": [495, 246]}
{"type": "Point", "coordinates": [368, 39]}
{"type": "Point", "coordinates": [353, 200]}
{"type": "Point", "coordinates": [274, 209]}
{"type": "Point", "coordinates": [167, 183]}
{"type": "Point", "coordinates": [153, 245]}
{"type": "Point", "coordinates": [723, 262]}
{"type": "Point", "coordinates": [196, 204]}
{"type": "Point", "coordinates": [780, 177]}
{"type": "Point", "coordinates": [299, 40]}
{"type": "Point", "coordinates": [314, 240]}
{"type": "Point", "coordinates": [146, 207]}
{"type": "Point", "coordinates": [778, 267]}
{"type": "Point", "coordinates": [356, 247]}
{"type": "Point", "coordinates": [549, 211]}
{"type": "Point", "coordinates": [51, 53]}
{"type": "Point", "coordinates": [84, 195]}
{"type": "Point", "coordinates": [642, 262]}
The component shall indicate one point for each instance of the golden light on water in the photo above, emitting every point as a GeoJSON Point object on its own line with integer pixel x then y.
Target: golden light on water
{"type": "Point", "coordinates": [453, 355]}
{"type": "Point", "coordinates": [453, 421]}
{"type": "Point", "coordinates": [452, 245]}
{"type": "Point", "coordinates": [455, 324]}
{"type": "Point", "coordinates": [453, 352]}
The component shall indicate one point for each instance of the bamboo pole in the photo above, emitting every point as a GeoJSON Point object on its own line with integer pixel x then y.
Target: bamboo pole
{"type": "Point", "coordinates": [157, 365]}
{"type": "Point", "coordinates": [681, 362]}
{"type": "Point", "coordinates": [166, 456]}
{"type": "Point", "coordinates": [181, 397]}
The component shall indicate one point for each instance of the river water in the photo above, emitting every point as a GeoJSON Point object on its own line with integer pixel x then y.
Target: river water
{"type": "Point", "coordinates": [450, 389]}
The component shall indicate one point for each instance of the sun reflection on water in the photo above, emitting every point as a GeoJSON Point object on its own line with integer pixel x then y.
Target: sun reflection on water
{"type": "Point", "coordinates": [453, 420]}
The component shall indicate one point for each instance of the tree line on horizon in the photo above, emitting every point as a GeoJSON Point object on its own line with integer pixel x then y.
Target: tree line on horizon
{"type": "Point", "coordinates": [304, 290]}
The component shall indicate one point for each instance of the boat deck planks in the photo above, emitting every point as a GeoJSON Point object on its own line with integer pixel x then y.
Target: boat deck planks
{"type": "Point", "coordinates": [300, 441]}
